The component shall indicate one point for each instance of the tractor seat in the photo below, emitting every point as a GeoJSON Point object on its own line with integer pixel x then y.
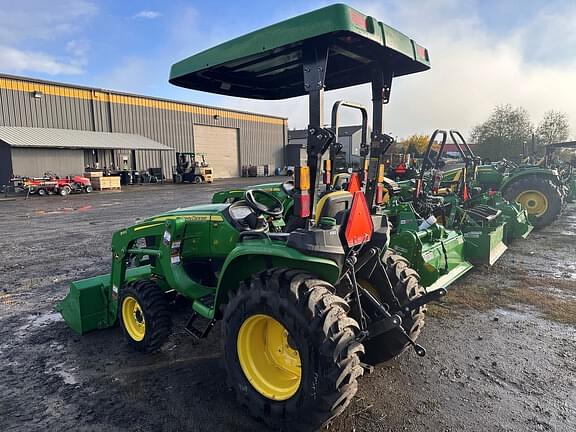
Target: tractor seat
{"type": "Point", "coordinates": [335, 205]}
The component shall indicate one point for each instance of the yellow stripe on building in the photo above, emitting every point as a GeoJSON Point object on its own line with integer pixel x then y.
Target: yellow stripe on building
{"type": "Point", "coordinates": [95, 95]}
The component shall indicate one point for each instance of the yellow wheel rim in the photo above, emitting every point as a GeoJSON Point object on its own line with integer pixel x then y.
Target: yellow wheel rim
{"type": "Point", "coordinates": [133, 318]}
{"type": "Point", "coordinates": [268, 361]}
{"type": "Point", "coordinates": [534, 202]}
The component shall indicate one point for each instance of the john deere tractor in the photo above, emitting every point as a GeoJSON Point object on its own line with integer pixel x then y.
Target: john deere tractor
{"type": "Point", "coordinates": [538, 188]}
{"type": "Point", "coordinates": [299, 328]}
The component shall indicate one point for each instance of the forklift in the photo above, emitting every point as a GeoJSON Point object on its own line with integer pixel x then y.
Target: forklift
{"type": "Point", "coordinates": [191, 170]}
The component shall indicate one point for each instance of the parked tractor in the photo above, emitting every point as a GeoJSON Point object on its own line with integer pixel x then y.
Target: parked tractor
{"type": "Point", "coordinates": [191, 168]}
{"type": "Point", "coordinates": [401, 166]}
{"type": "Point", "coordinates": [539, 188]}
{"type": "Point", "coordinates": [299, 327]}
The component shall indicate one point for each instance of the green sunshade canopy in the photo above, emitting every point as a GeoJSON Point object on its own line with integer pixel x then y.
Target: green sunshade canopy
{"type": "Point", "coordinates": [267, 63]}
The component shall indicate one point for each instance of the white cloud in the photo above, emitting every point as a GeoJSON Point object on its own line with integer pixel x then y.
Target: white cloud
{"type": "Point", "coordinates": [472, 70]}
{"type": "Point", "coordinates": [78, 48]}
{"type": "Point", "coordinates": [19, 61]}
{"type": "Point", "coordinates": [28, 20]}
{"type": "Point", "coordinates": [147, 14]}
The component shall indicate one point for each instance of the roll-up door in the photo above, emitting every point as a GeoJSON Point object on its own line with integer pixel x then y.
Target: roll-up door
{"type": "Point", "coordinates": [220, 146]}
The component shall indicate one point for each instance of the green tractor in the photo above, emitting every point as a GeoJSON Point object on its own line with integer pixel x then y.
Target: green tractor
{"type": "Point", "coordinates": [304, 314]}
{"type": "Point", "coordinates": [436, 253]}
{"type": "Point", "coordinates": [539, 189]}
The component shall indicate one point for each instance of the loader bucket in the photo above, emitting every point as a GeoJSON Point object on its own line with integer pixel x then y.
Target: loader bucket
{"type": "Point", "coordinates": [436, 254]}
{"type": "Point", "coordinates": [484, 245]}
{"type": "Point", "coordinates": [85, 308]}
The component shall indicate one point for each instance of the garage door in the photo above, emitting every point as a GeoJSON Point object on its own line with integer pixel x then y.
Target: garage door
{"type": "Point", "coordinates": [220, 146]}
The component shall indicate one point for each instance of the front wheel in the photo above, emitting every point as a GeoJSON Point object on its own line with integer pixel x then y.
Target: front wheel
{"type": "Point", "coordinates": [144, 316]}
{"type": "Point", "coordinates": [290, 350]}
{"type": "Point", "coordinates": [88, 189]}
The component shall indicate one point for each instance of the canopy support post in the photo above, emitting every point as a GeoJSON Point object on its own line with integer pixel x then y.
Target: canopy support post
{"type": "Point", "coordinates": [379, 141]}
{"type": "Point", "coordinates": [314, 61]}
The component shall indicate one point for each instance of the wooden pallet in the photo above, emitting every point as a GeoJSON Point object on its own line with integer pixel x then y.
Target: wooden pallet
{"type": "Point", "coordinates": [106, 183]}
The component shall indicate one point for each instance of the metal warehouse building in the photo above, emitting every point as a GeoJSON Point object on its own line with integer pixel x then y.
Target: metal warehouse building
{"type": "Point", "coordinates": [134, 131]}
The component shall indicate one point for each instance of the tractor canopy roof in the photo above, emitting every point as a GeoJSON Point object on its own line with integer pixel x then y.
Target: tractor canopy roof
{"type": "Point", "coordinates": [267, 63]}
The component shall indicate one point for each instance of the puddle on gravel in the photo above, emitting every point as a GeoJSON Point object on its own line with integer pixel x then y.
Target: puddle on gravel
{"type": "Point", "coordinates": [63, 372]}
{"type": "Point", "coordinates": [38, 321]}
{"type": "Point", "coordinates": [61, 210]}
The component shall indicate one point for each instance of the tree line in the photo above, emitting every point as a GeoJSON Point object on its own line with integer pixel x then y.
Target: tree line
{"type": "Point", "coordinates": [508, 133]}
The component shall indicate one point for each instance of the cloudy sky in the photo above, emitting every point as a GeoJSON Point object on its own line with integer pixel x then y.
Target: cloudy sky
{"type": "Point", "coordinates": [483, 52]}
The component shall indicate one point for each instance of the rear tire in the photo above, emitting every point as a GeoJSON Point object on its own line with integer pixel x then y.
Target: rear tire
{"type": "Point", "coordinates": [406, 286]}
{"type": "Point", "coordinates": [198, 180]}
{"type": "Point", "coordinates": [143, 315]}
{"type": "Point", "coordinates": [42, 192]}
{"type": "Point", "coordinates": [88, 189]}
{"type": "Point", "coordinates": [316, 327]}
{"type": "Point", "coordinates": [539, 196]}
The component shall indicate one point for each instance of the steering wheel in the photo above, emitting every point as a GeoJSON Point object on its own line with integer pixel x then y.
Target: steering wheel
{"type": "Point", "coordinates": [508, 164]}
{"type": "Point", "coordinates": [274, 209]}
{"type": "Point", "coordinates": [288, 187]}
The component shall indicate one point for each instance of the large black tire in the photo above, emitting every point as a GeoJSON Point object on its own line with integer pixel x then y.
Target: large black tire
{"type": "Point", "coordinates": [543, 186]}
{"type": "Point", "coordinates": [318, 328]}
{"type": "Point", "coordinates": [406, 287]}
{"type": "Point", "coordinates": [153, 312]}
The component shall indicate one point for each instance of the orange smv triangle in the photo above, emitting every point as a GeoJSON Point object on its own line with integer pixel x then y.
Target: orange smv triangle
{"type": "Point", "coordinates": [466, 195]}
{"type": "Point", "coordinates": [354, 183]}
{"type": "Point", "coordinates": [359, 226]}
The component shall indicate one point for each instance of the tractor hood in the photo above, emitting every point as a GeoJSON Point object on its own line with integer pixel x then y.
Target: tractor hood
{"type": "Point", "coordinates": [199, 211]}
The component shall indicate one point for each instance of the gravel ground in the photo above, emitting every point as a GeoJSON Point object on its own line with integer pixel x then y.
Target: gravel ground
{"type": "Point", "coordinates": [501, 349]}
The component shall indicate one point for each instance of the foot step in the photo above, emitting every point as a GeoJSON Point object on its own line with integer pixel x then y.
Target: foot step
{"type": "Point", "coordinates": [203, 327]}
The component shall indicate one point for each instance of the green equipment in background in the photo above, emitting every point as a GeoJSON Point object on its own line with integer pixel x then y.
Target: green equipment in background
{"type": "Point", "coordinates": [565, 165]}
{"type": "Point", "coordinates": [538, 188]}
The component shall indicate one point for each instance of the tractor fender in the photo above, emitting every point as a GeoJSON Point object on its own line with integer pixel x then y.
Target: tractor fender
{"type": "Point", "coordinates": [253, 256]}
{"type": "Point", "coordinates": [540, 172]}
